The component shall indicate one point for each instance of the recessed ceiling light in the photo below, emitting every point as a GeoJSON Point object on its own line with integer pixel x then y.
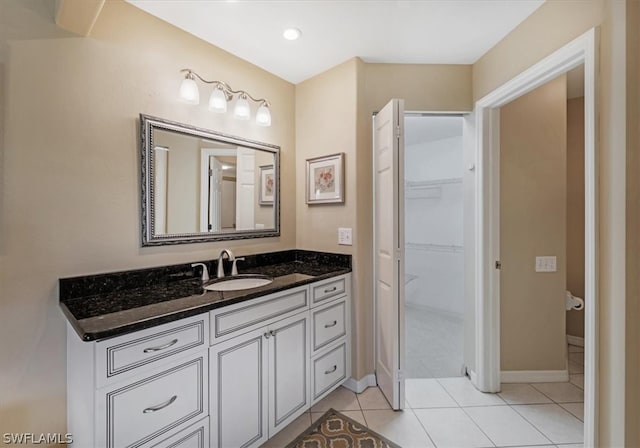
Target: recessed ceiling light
{"type": "Point", "coordinates": [292, 33]}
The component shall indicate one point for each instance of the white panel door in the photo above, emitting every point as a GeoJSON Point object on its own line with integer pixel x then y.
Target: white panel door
{"type": "Point", "coordinates": [238, 391]}
{"type": "Point", "coordinates": [289, 377]}
{"type": "Point", "coordinates": [389, 250]}
{"type": "Point", "coordinates": [245, 189]}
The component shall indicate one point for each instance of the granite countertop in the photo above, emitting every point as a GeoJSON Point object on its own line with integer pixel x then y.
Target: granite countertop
{"type": "Point", "coordinates": [108, 305]}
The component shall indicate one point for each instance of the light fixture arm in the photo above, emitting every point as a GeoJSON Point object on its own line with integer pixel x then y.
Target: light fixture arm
{"type": "Point", "coordinates": [226, 88]}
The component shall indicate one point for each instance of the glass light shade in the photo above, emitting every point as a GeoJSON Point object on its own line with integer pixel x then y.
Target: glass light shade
{"type": "Point", "coordinates": [242, 110]}
{"type": "Point", "coordinates": [263, 116]}
{"type": "Point", "coordinates": [189, 91]}
{"type": "Point", "coordinates": [218, 101]}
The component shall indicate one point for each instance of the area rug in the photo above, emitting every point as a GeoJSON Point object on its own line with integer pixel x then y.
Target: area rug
{"type": "Point", "coordinates": [334, 430]}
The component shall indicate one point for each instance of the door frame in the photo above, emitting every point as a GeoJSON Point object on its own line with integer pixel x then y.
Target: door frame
{"type": "Point", "coordinates": [583, 50]}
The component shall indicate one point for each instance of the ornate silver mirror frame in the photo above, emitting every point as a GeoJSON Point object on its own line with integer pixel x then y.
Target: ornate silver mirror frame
{"type": "Point", "coordinates": [148, 125]}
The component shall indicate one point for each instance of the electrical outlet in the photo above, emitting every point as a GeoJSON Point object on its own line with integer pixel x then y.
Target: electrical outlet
{"type": "Point", "coordinates": [546, 264]}
{"type": "Point", "coordinates": [345, 236]}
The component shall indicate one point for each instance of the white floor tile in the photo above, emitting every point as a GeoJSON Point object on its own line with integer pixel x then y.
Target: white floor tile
{"type": "Point", "coordinates": [505, 427]}
{"type": "Point", "coordinates": [465, 394]}
{"type": "Point", "coordinates": [427, 393]}
{"type": "Point", "coordinates": [290, 432]}
{"type": "Point", "coordinates": [522, 394]}
{"type": "Point", "coordinates": [576, 409]}
{"type": "Point", "coordinates": [372, 398]}
{"type": "Point", "coordinates": [452, 428]}
{"type": "Point", "coordinates": [353, 415]}
{"type": "Point", "coordinates": [340, 399]}
{"type": "Point", "coordinates": [575, 367]}
{"type": "Point", "coordinates": [561, 392]}
{"type": "Point", "coordinates": [401, 427]}
{"type": "Point", "coordinates": [557, 424]}
{"type": "Point", "coordinates": [577, 379]}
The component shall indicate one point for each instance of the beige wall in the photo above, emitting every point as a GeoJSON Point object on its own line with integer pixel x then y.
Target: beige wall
{"type": "Point", "coordinates": [533, 142]}
{"type": "Point", "coordinates": [333, 114]}
{"type": "Point", "coordinates": [632, 389]}
{"type": "Point", "coordinates": [550, 27]}
{"type": "Point", "coordinates": [71, 180]}
{"type": "Point", "coordinates": [326, 107]}
{"type": "Point", "coordinates": [575, 211]}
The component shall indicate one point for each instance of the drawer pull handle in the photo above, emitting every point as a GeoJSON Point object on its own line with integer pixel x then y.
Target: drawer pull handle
{"type": "Point", "coordinates": [267, 335]}
{"type": "Point", "coordinates": [160, 406]}
{"type": "Point", "coordinates": [160, 347]}
{"type": "Point", "coordinates": [328, 290]}
{"type": "Point", "coordinates": [327, 372]}
{"type": "Point", "coordinates": [332, 324]}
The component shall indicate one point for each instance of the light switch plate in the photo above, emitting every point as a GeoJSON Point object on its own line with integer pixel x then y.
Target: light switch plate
{"type": "Point", "coordinates": [546, 264]}
{"type": "Point", "coordinates": [345, 236]}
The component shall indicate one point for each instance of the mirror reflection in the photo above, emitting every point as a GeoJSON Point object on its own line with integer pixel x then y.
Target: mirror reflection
{"type": "Point", "coordinates": [207, 185]}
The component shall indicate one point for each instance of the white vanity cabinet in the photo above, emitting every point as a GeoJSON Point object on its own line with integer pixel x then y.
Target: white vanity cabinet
{"type": "Point", "coordinates": [262, 368]}
{"type": "Point", "coordinates": [141, 388]}
{"type": "Point", "coordinates": [232, 377]}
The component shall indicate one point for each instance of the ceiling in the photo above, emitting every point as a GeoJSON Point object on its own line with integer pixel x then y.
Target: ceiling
{"type": "Point", "coordinates": [390, 31]}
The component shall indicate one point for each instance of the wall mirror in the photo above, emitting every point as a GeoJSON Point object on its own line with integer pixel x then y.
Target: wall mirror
{"type": "Point", "coordinates": [200, 185]}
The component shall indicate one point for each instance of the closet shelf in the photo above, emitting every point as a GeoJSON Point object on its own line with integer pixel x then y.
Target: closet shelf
{"type": "Point", "coordinates": [435, 247]}
{"type": "Point", "coordinates": [420, 184]}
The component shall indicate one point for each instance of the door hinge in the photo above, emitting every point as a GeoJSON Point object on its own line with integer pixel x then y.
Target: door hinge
{"type": "Point", "coordinates": [210, 172]}
{"type": "Point", "coordinates": [398, 133]}
{"type": "Point", "coordinates": [210, 226]}
{"type": "Point", "coordinates": [498, 264]}
{"type": "Point", "coordinates": [398, 376]}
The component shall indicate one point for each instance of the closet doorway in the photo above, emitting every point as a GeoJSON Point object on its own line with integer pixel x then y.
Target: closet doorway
{"type": "Point", "coordinates": [434, 245]}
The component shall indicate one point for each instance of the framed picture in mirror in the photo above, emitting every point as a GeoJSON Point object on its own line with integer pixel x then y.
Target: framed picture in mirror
{"type": "Point", "coordinates": [267, 185]}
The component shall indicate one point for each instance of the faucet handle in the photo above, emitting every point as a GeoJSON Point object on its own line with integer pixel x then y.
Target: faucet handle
{"type": "Point", "coordinates": [205, 271]}
{"type": "Point", "coordinates": [234, 267]}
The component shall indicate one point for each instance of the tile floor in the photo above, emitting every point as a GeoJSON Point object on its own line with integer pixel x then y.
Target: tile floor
{"type": "Point", "coordinates": [451, 413]}
{"type": "Point", "coordinates": [443, 356]}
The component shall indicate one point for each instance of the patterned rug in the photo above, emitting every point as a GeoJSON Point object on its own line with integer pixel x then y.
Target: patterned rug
{"type": "Point", "coordinates": [334, 430]}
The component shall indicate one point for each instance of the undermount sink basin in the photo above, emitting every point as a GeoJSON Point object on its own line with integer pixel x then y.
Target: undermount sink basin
{"type": "Point", "coordinates": [238, 282]}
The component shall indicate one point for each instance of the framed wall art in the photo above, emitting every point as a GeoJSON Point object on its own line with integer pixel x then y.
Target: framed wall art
{"type": "Point", "coordinates": [267, 185]}
{"type": "Point", "coordinates": [325, 179]}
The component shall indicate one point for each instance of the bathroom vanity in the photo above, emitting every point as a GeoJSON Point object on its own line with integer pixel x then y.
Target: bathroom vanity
{"type": "Point", "coordinates": [156, 360]}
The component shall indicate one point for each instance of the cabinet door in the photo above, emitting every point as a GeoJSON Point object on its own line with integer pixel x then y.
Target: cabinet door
{"type": "Point", "coordinates": [289, 378]}
{"type": "Point", "coordinates": [238, 391]}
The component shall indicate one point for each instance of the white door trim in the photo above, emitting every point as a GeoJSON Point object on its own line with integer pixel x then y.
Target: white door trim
{"type": "Point", "coordinates": [582, 50]}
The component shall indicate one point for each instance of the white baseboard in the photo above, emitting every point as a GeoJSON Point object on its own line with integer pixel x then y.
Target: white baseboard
{"type": "Point", "coordinates": [358, 386]}
{"type": "Point", "coordinates": [534, 376]}
{"type": "Point", "coordinates": [473, 377]}
{"type": "Point", "coordinates": [575, 340]}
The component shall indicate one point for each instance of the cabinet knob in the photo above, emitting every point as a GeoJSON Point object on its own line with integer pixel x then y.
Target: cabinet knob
{"type": "Point", "coordinates": [267, 335]}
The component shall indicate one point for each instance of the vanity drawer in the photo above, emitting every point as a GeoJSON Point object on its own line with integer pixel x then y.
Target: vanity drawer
{"type": "Point", "coordinates": [328, 289]}
{"type": "Point", "coordinates": [246, 316]}
{"type": "Point", "coordinates": [329, 323]}
{"type": "Point", "coordinates": [150, 407]}
{"type": "Point", "coordinates": [195, 436]}
{"type": "Point", "coordinates": [132, 353]}
{"type": "Point", "coordinates": [329, 370]}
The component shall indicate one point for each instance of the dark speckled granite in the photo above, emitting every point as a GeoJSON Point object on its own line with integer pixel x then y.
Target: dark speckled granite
{"type": "Point", "coordinates": [107, 305]}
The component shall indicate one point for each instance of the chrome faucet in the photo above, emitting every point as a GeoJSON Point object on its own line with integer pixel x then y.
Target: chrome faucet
{"type": "Point", "coordinates": [221, 261]}
{"type": "Point", "coordinates": [205, 271]}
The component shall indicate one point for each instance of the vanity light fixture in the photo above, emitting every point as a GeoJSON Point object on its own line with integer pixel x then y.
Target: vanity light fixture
{"type": "Point", "coordinates": [221, 95]}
